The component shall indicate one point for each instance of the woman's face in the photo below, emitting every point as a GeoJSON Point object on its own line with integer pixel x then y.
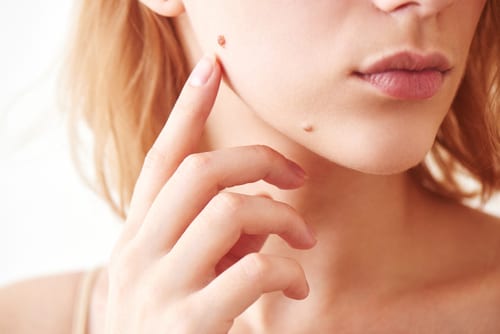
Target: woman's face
{"type": "Point", "coordinates": [316, 63]}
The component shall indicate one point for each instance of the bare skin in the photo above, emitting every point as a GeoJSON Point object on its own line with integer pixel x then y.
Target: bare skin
{"type": "Point", "coordinates": [436, 271]}
{"type": "Point", "coordinates": [388, 257]}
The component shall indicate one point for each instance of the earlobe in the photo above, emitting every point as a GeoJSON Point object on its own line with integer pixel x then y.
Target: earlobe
{"type": "Point", "coordinates": [169, 8]}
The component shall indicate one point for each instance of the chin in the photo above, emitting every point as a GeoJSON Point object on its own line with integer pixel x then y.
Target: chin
{"type": "Point", "coordinates": [379, 147]}
{"type": "Point", "coordinates": [383, 159]}
{"type": "Point", "coordinates": [394, 166]}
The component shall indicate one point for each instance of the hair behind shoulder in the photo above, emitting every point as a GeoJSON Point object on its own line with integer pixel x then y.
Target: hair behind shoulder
{"type": "Point", "coordinates": [124, 70]}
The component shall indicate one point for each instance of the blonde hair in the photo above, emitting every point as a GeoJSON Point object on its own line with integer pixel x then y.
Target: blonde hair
{"type": "Point", "coordinates": [126, 67]}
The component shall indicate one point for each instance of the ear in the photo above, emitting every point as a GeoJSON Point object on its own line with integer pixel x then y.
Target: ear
{"type": "Point", "coordinates": [169, 8]}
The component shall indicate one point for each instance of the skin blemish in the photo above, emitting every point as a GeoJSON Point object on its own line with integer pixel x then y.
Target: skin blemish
{"type": "Point", "coordinates": [221, 40]}
{"type": "Point", "coordinates": [307, 127]}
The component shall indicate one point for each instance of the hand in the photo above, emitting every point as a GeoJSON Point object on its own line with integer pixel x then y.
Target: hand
{"type": "Point", "coordinates": [188, 259]}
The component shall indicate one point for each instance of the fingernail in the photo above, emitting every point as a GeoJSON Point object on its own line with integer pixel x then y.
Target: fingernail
{"type": "Point", "coordinates": [202, 72]}
{"type": "Point", "coordinates": [297, 170]}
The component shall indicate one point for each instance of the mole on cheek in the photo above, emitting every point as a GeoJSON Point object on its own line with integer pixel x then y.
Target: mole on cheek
{"type": "Point", "coordinates": [221, 40]}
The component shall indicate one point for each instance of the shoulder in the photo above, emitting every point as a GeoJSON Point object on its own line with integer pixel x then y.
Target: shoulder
{"type": "Point", "coordinates": [481, 230]}
{"type": "Point", "coordinates": [469, 305]}
{"type": "Point", "coordinates": [472, 300]}
{"type": "Point", "coordinates": [475, 239]}
{"type": "Point", "coordinates": [462, 244]}
{"type": "Point", "coordinates": [39, 305]}
{"type": "Point", "coordinates": [468, 229]}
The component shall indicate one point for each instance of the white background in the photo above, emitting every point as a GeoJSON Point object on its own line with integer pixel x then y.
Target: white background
{"type": "Point", "coordinates": [49, 221]}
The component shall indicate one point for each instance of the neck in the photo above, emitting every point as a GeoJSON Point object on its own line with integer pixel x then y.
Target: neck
{"type": "Point", "coordinates": [362, 222]}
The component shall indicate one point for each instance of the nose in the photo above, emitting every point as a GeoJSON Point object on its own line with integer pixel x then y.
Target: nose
{"type": "Point", "coordinates": [421, 7]}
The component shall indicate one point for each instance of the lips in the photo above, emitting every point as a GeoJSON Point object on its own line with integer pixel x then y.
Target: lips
{"type": "Point", "coordinates": [406, 75]}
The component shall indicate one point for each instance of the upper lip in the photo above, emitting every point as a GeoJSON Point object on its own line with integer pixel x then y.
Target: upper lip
{"type": "Point", "coordinates": [408, 61]}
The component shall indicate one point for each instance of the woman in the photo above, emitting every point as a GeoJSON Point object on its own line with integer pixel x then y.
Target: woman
{"type": "Point", "coordinates": [307, 179]}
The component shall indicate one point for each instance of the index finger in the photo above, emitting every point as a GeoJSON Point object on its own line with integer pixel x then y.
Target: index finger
{"type": "Point", "coordinates": [180, 135]}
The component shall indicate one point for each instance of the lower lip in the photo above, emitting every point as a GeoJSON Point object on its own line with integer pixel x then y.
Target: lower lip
{"type": "Point", "coordinates": [406, 85]}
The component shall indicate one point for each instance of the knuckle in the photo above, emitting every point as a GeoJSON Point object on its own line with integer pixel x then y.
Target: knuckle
{"type": "Point", "coordinates": [254, 267]}
{"type": "Point", "coordinates": [268, 154]}
{"type": "Point", "coordinates": [196, 163]}
{"type": "Point", "coordinates": [124, 266]}
{"type": "Point", "coordinates": [290, 216]}
{"type": "Point", "coordinates": [295, 268]}
{"type": "Point", "coordinates": [154, 157]}
{"type": "Point", "coordinates": [119, 275]}
{"type": "Point", "coordinates": [223, 210]}
{"type": "Point", "coordinates": [227, 203]}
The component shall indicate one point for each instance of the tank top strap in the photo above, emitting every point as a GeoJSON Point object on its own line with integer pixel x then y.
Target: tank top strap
{"type": "Point", "coordinates": [82, 302]}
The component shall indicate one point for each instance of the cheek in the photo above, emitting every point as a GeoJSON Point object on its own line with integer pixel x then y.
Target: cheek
{"type": "Point", "coordinates": [267, 47]}
{"type": "Point", "coordinates": [297, 79]}
{"type": "Point", "coordinates": [468, 14]}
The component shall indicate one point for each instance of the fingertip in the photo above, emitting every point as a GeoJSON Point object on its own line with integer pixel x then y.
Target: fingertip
{"type": "Point", "coordinates": [287, 184]}
{"type": "Point", "coordinates": [216, 63]}
{"type": "Point", "coordinates": [298, 293]}
{"type": "Point", "coordinates": [202, 72]}
{"type": "Point", "coordinates": [216, 59]}
{"type": "Point", "coordinates": [298, 171]}
{"type": "Point", "coordinates": [294, 177]}
{"type": "Point", "coordinates": [301, 240]}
